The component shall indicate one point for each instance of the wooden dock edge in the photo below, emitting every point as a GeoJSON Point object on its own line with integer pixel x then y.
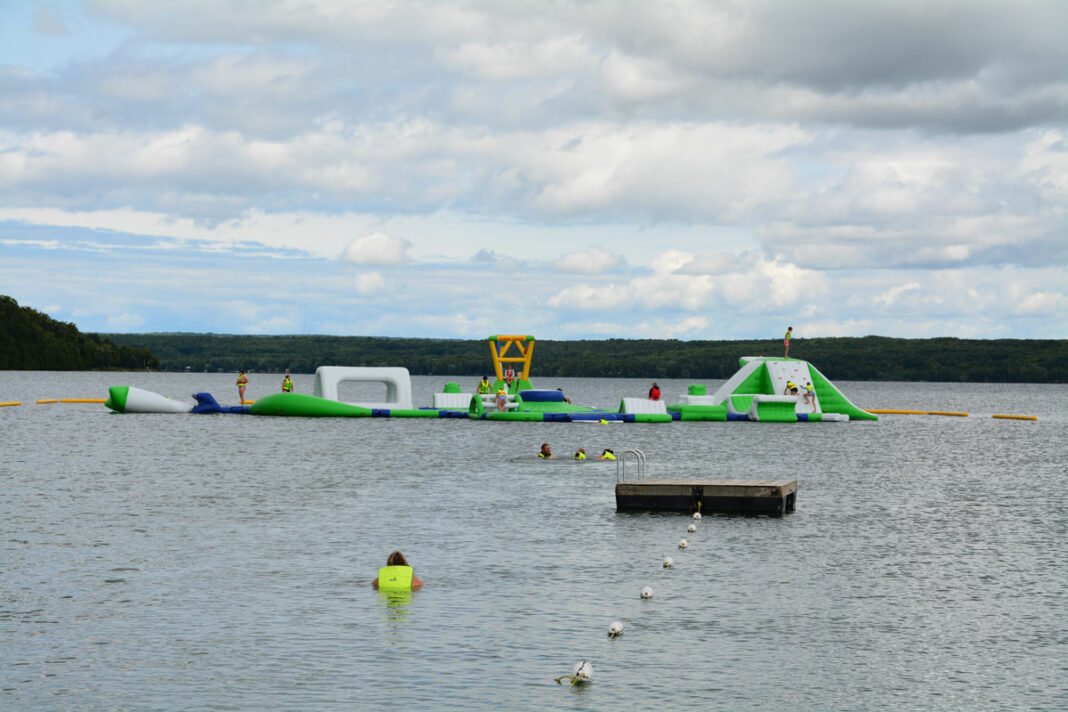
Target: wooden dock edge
{"type": "Point", "coordinates": [773, 497]}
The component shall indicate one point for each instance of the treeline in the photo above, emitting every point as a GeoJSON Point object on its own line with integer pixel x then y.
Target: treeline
{"type": "Point", "coordinates": [870, 358]}
{"type": "Point", "coordinates": [30, 340]}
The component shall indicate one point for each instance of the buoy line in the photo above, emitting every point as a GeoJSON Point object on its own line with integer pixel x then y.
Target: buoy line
{"type": "Point", "coordinates": [582, 671]}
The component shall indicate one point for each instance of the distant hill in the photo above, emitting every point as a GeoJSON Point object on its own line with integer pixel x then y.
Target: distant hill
{"type": "Point", "coordinates": [869, 358]}
{"type": "Point", "coordinates": [30, 340]}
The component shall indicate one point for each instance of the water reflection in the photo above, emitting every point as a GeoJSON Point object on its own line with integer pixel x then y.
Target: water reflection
{"type": "Point", "coordinates": [396, 606]}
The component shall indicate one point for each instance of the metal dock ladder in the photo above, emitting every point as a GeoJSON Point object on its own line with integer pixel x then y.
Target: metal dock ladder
{"type": "Point", "coordinates": [621, 465]}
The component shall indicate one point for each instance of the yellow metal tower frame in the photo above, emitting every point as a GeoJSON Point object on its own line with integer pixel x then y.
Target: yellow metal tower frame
{"type": "Point", "coordinates": [501, 346]}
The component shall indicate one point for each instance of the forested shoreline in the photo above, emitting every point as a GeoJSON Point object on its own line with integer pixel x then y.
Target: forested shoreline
{"type": "Point", "coordinates": [33, 341]}
{"type": "Point", "coordinates": [847, 358]}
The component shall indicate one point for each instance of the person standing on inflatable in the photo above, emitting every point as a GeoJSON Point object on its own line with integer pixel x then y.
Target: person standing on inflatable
{"type": "Point", "coordinates": [396, 575]}
{"type": "Point", "coordinates": [654, 392]}
{"type": "Point", "coordinates": [484, 386]}
{"type": "Point", "coordinates": [786, 341]}
{"type": "Point", "coordinates": [242, 381]}
{"type": "Point", "coordinates": [287, 384]}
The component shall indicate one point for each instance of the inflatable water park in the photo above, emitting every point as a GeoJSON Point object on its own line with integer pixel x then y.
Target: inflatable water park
{"type": "Point", "coordinates": [765, 389]}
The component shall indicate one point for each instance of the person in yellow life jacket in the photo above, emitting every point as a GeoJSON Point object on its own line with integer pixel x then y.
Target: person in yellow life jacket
{"type": "Point", "coordinates": [502, 400]}
{"type": "Point", "coordinates": [484, 386]}
{"type": "Point", "coordinates": [607, 454]}
{"type": "Point", "coordinates": [546, 452]}
{"type": "Point", "coordinates": [396, 575]}
{"type": "Point", "coordinates": [287, 384]}
{"type": "Point", "coordinates": [810, 395]}
{"type": "Point", "coordinates": [791, 389]}
{"type": "Point", "coordinates": [242, 381]}
{"type": "Point", "coordinates": [581, 454]}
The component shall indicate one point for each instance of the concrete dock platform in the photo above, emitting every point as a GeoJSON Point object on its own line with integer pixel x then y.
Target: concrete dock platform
{"type": "Point", "coordinates": [774, 497]}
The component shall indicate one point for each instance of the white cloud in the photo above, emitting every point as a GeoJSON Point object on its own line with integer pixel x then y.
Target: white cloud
{"type": "Point", "coordinates": [890, 296]}
{"type": "Point", "coordinates": [377, 249]}
{"type": "Point", "coordinates": [592, 261]}
{"type": "Point", "coordinates": [369, 283]}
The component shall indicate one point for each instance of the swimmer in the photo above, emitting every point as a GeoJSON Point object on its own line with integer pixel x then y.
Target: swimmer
{"type": "Point", "coordinates": [581, 454]}
{"type": "Point", "coordinates": [546, 452]}
{"type": "Point", "coordinates": [607, 454]}
{"type": "Point", "coordinates": [396, 575]}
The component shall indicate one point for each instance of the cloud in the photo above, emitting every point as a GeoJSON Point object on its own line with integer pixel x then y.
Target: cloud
{"type": "Point", "coordinates": [890, 296]}
{"type": "Point", "coordinates": [592, 261]}
{"type": "Point", "coordinates": [377, 249]}
{"type": "Point", "coordinates": [369, 283]}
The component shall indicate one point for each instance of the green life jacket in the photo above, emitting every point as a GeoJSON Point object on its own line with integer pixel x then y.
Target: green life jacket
{"type": "Point", "coordinates": [395, 578]}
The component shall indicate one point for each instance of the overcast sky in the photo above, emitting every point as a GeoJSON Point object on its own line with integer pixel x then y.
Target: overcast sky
{"type": "Point", "coordinates": [695, 170]}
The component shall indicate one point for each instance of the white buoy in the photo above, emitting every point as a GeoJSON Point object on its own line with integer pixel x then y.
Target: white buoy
{"type": "Point", "coordinates": [615, 629]}
{"type": "Point", "coordinates": [582, 672]}
{"type": "Point", "coordinates": [692, 528]}
{"type": "Point", "coordinates": [697, 516]}
{"type": "Point", "coordinates": [668, 562]}
{"type": "Point", "coordinates": [683, 543]}
{"type": "Point", "coordinates": [647, 592]}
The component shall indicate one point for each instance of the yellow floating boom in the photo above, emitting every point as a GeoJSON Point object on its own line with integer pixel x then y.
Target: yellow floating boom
{"type": "Point", "coordinates": [82, 400]}
{"type": "Point", "coordinates": [7, 403]}
{"type": "Point", "coordinates": [903, 412]}
{"type": "Point", "coordinates": [1015, 417]}
{"type": "Point", "coordinates": [48, 400]}
{"type": "Point", "coordinates": [947, 412]}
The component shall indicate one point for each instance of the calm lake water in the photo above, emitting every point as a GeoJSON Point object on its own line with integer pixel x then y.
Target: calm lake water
{"type": "Point", "coordinates": [188, 562]}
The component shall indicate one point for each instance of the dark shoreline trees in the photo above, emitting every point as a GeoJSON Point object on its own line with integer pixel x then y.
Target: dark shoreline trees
{"type": "Point", "coordinates": [30, 340]}
{"type": "Point", "coordinates": [868, 358]}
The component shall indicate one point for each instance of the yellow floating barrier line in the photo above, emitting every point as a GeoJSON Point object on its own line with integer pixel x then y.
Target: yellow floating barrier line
{"type": "Point", "coordinates": [48, 400]}
{"type": "Point", "coordinates": [1015, 417]}
{"type": "Point", "coordinates": [947, 412]}
{"type": "Point", "coordinates": [7, 403]}
{"type": "Point", "coordinates": [82, 400]}
{"type": "Point", "coordinates": [903, 412]}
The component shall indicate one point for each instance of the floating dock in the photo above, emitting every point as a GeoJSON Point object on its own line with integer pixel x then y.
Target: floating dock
{"type": "Point", "coordinates": [775, 497]}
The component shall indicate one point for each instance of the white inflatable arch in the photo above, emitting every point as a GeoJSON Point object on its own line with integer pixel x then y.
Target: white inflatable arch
{"type": "Point", "coordinates": [397, 379]}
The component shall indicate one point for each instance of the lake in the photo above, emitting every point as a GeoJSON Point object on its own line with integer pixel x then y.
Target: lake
{"type": "Point", "coordinates": [223, 562]}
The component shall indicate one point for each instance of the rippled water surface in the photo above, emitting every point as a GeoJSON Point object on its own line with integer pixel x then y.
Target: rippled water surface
{"type": "Point", "coordinates": [177, 562]}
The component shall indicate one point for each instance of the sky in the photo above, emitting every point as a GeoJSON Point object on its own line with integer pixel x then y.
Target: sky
{"type": "Point", "coordinates": [571, 170]}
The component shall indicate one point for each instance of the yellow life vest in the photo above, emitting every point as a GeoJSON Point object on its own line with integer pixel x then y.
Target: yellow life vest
{"type": "Point", "coordinates": [791, 385]}
{"type": "Point", "coordinates": [242, 380]}
{"type": "Point", "coordinates": [395, 578]}
{"type": "Point", "coordinates": [809, 388]}
{"type": "Point", "coordinates": [608, 456]}
{"type": "Point", "coordinates": [580, 456]}
{"type": "Point", "coordinates": [287, 384]}
{"type": "Point", "coordinates": [484, 387]}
